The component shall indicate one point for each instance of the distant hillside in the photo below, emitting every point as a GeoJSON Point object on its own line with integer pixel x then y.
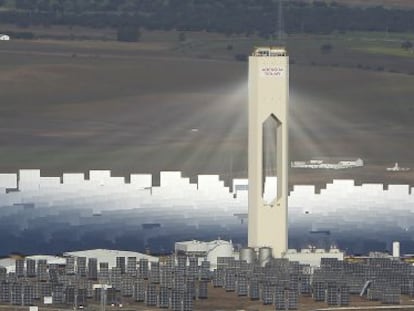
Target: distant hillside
{"type": "Point", "coordinates": [385, 3]}
{"type": "Point", "coordinates": [222, 16]}
{"type": "Point", "coordinates": [125, 5]}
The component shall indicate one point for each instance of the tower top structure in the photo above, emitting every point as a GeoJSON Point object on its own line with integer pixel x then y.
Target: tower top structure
{"type": "Point", "coordinates": [269, 51]}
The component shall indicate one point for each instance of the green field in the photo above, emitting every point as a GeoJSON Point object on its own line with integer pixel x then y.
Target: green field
{"type": "Point", "coordinates": [389, 51]}
{"type": "Point", "coordinates": [74, 105]}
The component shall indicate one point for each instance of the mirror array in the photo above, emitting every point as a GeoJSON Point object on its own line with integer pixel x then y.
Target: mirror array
{"type": "Point", "coordinates": [56, 214]}
{"type": "Point", "coordinates": [177, 282]}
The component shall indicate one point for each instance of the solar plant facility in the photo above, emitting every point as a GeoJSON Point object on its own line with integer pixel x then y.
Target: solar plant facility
{"type": "Point", "coordinates": [279, 284]}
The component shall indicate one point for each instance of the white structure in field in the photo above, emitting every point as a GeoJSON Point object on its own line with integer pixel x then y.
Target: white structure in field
{"type": "Point", "coordinates": [268, 105]}
{"type": "Point", "coordinates": [397, 168]}
{"type": "Point", "coordinates": [396, 249]}
{"type": "Point", "coordinates": [321, 164]}
{"type": "Point", "coordinates": [4, 37]}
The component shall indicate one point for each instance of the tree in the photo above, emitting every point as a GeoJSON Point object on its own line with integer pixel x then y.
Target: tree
{"type": "Point", "coordinates": [406, 45]}
{"type": "Point", "coordinates": [326, 48]}
{"type": "Point", "coordinates": [241, 57]}
{"type": "Point", "coordinates": [128, 34]}
{"type": "Point", "coordinates": [182, 37]}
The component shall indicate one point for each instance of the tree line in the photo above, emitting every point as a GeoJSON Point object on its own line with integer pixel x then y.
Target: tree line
{"type": "Point", "coordinates": [223, 16]}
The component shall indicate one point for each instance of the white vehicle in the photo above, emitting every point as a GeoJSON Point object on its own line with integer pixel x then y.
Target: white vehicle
{"type": "Point", "coordinates": [4, 37]}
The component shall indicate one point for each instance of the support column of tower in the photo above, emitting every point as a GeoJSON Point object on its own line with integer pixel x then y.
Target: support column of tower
{"type": "Point", "coordinates": [268, 97]}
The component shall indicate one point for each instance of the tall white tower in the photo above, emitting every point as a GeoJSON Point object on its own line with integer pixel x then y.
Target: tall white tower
{"type": "Point", "coordinates": [268, 111]}
{"type": "Point", "coordinates": [396, 249]}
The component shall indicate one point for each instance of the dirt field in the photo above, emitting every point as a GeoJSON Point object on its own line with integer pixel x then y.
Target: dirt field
{"type": "Point", "coordinates": [219, 299]}
{"type": "Point", "coordinates": [80, 105]}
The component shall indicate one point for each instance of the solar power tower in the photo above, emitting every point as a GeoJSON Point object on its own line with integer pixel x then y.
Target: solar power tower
{"type": "Point", "coordinates": [268, 148]}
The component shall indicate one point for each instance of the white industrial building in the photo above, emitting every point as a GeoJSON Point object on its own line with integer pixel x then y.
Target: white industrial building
{"type": "Point", "coordinates": [219, 248]}
{"type": "Point", "coordinates": [206, 250]}
{"type": "Point", "coordinates": [322, 164]}
{"type": "Point", "coordinates": [109, 256]}
{"type": "Point", "coordinates": [10, 263]}
{"type": "Point", "coordinates": [102, 255]}
{"type": "Point", "coordinates": [313, 257]}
